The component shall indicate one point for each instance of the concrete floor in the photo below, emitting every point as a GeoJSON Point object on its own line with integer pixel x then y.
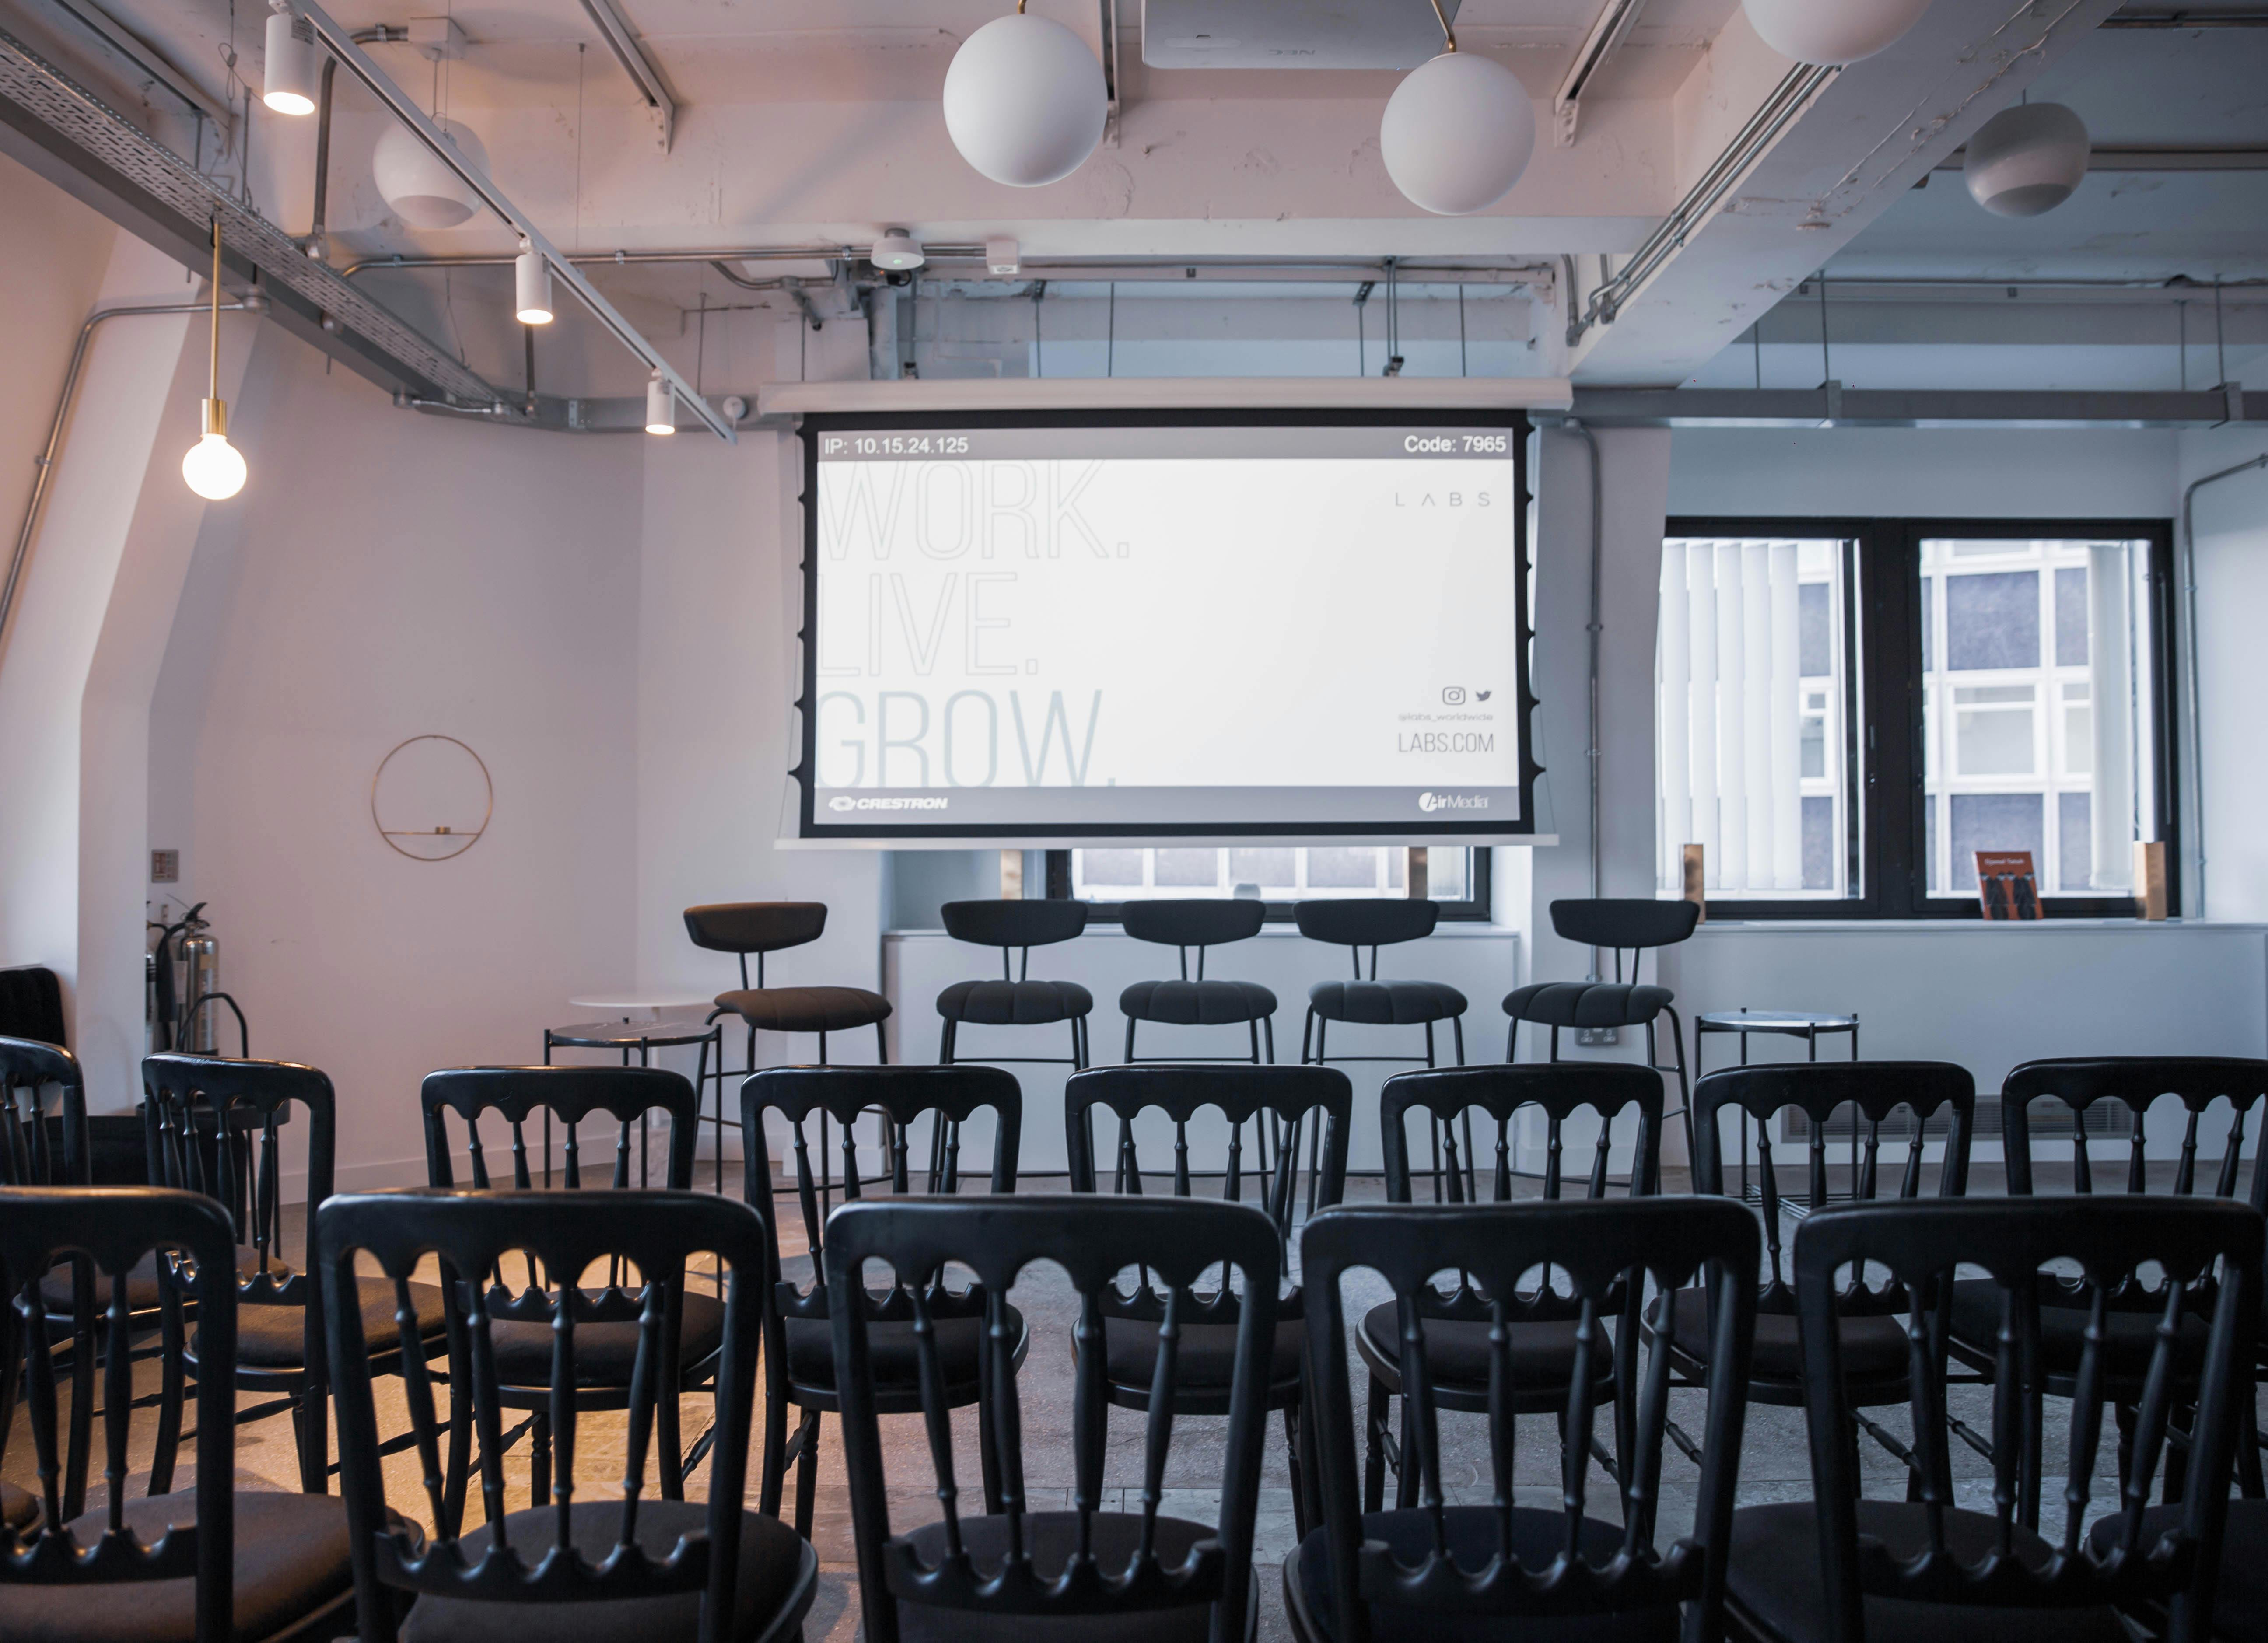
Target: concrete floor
{"type": "Point", "coordinates": [1774, 1462]}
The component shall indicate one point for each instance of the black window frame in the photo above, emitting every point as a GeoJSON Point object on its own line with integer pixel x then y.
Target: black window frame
{"type": "Point", "coordinates": [1475, 907]}
{"type": "Point", "coordinates": [1885, 725]}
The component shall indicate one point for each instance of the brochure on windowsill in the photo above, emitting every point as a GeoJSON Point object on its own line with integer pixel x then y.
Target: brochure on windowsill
{"type": "Point", "coordinates": [2006, 884]}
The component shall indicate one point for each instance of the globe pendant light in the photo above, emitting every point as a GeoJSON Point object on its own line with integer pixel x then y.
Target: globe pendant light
{"type": "Point", "coordinates": [2027, 160]}
{"type": "Point", "coordinates": [214, 469]}
{"type": "Point", "coordinates": [292, 67]}
{"type": "Point", "coordinates": [531, 286]}
{"type": "Point", "coordinates": [1458, 131]}
{"type": "Point", "coordinates": [661, 405]}
{"type": "Point", "coordinates": [411, 178]}
{"type": "Point", "coordinates": [1831, 30]}
{"type": "Point", "coordinates": [1024, 100]}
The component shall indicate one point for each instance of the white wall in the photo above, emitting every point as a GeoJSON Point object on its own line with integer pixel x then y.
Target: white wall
{"type": "Point", "coordinates": [2231, 518]}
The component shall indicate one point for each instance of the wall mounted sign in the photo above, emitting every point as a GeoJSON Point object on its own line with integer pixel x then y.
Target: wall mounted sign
{"type": "Point", "coordinates": [432, 798]}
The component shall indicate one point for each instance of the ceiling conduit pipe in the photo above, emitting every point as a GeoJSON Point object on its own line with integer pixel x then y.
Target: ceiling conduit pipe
{"type": "Point", "coordinates": [384, 33]}
{"type": "Point", "coordinates": [2196, 714]}
{"type": "Point", "coordinates": [45, 467]}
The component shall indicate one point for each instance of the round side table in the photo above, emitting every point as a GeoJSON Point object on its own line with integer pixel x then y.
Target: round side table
{"type": "Point", "coordinates": [1805, 1024]}
{"type": "Point", "coordinates": [644, 1038]}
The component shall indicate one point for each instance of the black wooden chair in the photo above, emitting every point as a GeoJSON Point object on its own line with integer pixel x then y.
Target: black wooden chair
{"type": "Point", "coordinates": [1282, 1105]}
{"type": "Point", "coordinates": [210, 1563]}
{"type": "Point", "coordinates": [1544, 1319]}
{"type": "Point", "coordinates": [1355, 925]}
{"type": "Point", "coordinates": [1938, 1100]}
{"type": "Point", "coordinates": [1439, 1571]}
{"type": "Point", "coordinates": [1840, 1569]}
{"type": "Point", "coordinates": [44, 1144]}
{"type": "Point", "coordinates": [214, 1126]}
{"type": "Point", "coordinates": [619, 1100]}
{"type": "Point", "coordinates": [613, 1569]}
{"type": "Point", "coordinates": [1619, 925]}
{"type": "Point", "coordinates": [800, 1363]}
{"type": "Point", "coordinates": [1015, 999]}
{"type": "Point", "coordinates": [1198, 924]}
{"type": "Point", "coordinates": [1015, 1573]}
{"type": "Point", "coordinates": [2078, 1095]}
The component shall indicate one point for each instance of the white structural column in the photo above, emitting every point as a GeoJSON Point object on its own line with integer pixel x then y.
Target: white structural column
{"type": "Point", "coordinates": [89, 634]}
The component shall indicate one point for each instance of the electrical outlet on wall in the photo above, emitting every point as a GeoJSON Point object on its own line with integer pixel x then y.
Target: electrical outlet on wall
{"type": "Point", "coordinates": [1598, 1035]}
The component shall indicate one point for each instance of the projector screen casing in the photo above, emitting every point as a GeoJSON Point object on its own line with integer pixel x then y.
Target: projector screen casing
{"type": "Point", "coordinates": [814, 826]}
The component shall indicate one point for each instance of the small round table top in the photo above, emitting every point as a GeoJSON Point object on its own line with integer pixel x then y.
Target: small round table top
{"type": "Point", "coordinates": [630, 1035]}
{"type": "Point", "coordinates": [626, 1005]}
{"type": "Point", "coordinates": [1776, 1021]}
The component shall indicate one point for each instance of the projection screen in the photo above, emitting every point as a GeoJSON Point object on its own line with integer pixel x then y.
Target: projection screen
{"type": "Point", "coordinates": [1048, 627]}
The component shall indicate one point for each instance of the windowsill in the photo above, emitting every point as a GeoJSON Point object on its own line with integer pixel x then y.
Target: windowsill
{"type": "Point", "coordinates": [1983, 927]}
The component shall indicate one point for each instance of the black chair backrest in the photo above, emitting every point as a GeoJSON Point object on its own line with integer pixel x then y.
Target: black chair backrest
{"type": "Point", "coordinates": [37, 1149]}
{"type": "Point", "coordinates": [644, 1240]}
{"type": "Point", "coordinates": [215, 1126]}
{"type": "Point", "coordinates": [1448, 1096]}
{"type": "Point", "coordinates": [757, 927]}
{"type": "Point", "coordinates": [1819, 1090]}
{"type": "Point", "coordinates": [1545, 1565]}
{"type": "Point", "coordinates": [1280, 1103]}
{"type": "Point", "coordinates": [1635, 922]}
{"type": "Point", "coordinates": [32, 1004]}
{"type": "Point", "coordinates": [571, 1097]}
{"type": "Point", "coordinates": [110, 1229]}
{"type": "Point", "coordinates": [1373, 923]}
{"type": "Point", "coordinates": [2193, 1243]}
{"type": "Point", "coordinates": [832, 1098]}
{"type": "Point", "coordinates": [1093, 1240]}
{"type": "Point", "coordinates": [1019, 925]}
{"type": "Point", "coordinates": [1193, 922]}
{"type": "Point", "coordinates": [2135, 1083]}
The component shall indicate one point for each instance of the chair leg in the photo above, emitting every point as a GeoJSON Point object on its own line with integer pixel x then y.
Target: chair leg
{"type": "Point", "coordinates": [1294, 1438]}
{"type": "Point", "coordinates": [539, 1461]}
{"type": "Point", "coordinates": [987, 1451]}
{"type": "Point", "coordinates": [1684, 1085]}
{"type": "Point", "coordinates": [1428, 1043]}
{"type": "Point", "coordinates": [1405, 1476]}
{"type": "Point", "coordinates": [806, 1474]}
{"type": "Point", "coordinates": [1374, 1456]}
{"type": "Point", "coordinates": [2249, 1480]}
{"type": "Point", "coordinates": [775, 1467]}
{"type": "Point", "coordinates": [1306, 1035]}
{"type": "Point", "coordinates": [1268, 1032]}
{"type": "Point", "coordinates": [1511, 1043]}
{"type": "Point", "coordinates": [172, 1394]}
{"type": "Point", "coordinates": [945, 1045]}
{"type": "Point", "coordinates": [1457, 1031]}
{"type": "Point", "coordinates": [881, 1046]}
{"type": "Point", "coordinates": [1252, 1027]}
{"type": "Point", "coordinates": [459, 1476]}
{"type": "Point", "coordinates": [313, 1414]}
{"type": "Point", "coordinates": [1130, 1041]}
{"type": "Point", "coordinates": [671, 1441]}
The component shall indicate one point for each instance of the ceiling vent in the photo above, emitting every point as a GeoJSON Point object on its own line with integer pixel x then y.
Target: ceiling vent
{"type": "Point", "coordinates": [1289, 33]}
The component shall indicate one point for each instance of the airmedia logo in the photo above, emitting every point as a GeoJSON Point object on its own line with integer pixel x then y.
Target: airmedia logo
{"type": "Point", "coordinates": [1430, 802]}
{"type": "Point", "coordinates": [843, 802]}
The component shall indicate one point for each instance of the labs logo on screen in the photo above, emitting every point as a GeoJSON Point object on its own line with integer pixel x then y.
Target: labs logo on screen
{"type": "Point", "coordinates": [1431, 802]}
{"type": "Point", "coordinates": [843, 802]}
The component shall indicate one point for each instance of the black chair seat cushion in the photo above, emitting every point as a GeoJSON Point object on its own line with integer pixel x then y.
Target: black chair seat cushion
{"type": "Point", "coordinates": [19, 1509]}
{"type": "Point", "coordinates": [807, 1009]}
{"type": "Point", "coordinates": [291, 1560]}
{"type": "Point", "coordinates": [1052, 1537]}
{"type": "Point", "coordinates": [2240, 1602]}
{"type": "Point", "coordinates": [2133, 1337]}
{"type": "Point", "coordinates": [1538, 1537]}
{"type": "Point", "coordinates": [1586, 1003]}
{"type": "Point", "coordinates": [1386, 1003]}
{"type": "Point", "coordinates": [141, 1283]}
{"type": "Point", "coordinates": [1874, 1348]}
{"type": "Point", "coordinates": [1198, 1003]}
{"type": "Point", "coordinates": [1775, 1580]}
{"type": "Point", "coordinates": [271, 1337]}
{"type": "Point", "coordinates": [777, 1570]}
{"type": "Point", "coordinates": [1457, 1350]}
{"type": "Point", "coordinates": [604, 1352]}
{"type": "Point", "coordinates": [1205, 1359]}
{"type": "Point", "coordinates": [1014, 1003]}
{"type": "Point", "coordinates": [890, 1360]}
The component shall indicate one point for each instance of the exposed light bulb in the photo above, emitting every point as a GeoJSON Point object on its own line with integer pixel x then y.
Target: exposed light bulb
{"type": "Point", "coordinates": [293, 64]}
{"type": "Point", "coordinates": [213, 468]}
{"type": "Point", "coordinates": [531, 284]}
{"type": "Point", "coordinates": [660, 406]}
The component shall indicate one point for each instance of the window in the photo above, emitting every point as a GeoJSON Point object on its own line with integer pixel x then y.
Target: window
{"type": "Point", "coordinates": [1849, 710]}
{"type": "Point", "coordinates": [1277, 874]}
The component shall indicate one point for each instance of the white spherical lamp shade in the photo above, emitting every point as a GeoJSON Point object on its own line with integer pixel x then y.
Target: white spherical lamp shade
{"type": "Point", "coordinates": [1831, 30]}
{"type": "Point", "coordinates": [214, 469]}
{"type": "Point", "coordinates": [1024, 100]}
{"type": "Point", "coordinates": [423, 192]}
{"type": "Point", "coordinates": [2027, 160]}
{"type": "Point", "coordinates": [1457, 134]}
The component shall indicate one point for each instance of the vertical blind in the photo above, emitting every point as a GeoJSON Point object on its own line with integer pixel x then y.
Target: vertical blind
{"type": "Point", "coordinates": [1727, 721]}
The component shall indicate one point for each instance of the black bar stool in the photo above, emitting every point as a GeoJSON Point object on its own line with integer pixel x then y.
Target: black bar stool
{"type": "Point", "coordinates": [1200, 1003]}
{"type": "Point", "coordinates": [1355, 925]}
{"type": "Point", "coordinates": [1015, 999]}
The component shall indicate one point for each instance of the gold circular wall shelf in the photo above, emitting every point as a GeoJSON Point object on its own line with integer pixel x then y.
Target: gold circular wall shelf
{"type": "Point", "coordinates": [436, 778]}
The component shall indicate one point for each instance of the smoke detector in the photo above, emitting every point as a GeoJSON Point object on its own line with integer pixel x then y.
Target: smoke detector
{"type": "Point", "coordinates": [896, 252]}
{"type": "Point", "coordinates": [1289, 33]}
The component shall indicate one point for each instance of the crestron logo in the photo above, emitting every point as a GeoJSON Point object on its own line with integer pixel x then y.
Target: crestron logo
{"type": "Point", "coordinates": [1431, 802]}
{"type": "Point", "coordinates": [844, 801]}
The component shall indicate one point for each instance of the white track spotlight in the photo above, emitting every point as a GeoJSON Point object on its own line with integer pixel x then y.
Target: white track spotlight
{"type": "Point", "coordinates": [896, 252]}
{"type": "Point", "coordinates": [1025, 101]}
{"type": "Point", "coordinates": [2027, 160]}
{"type": "Point", "coordinates": [660, 406]}
{"type": "Point", "coordinates": [423, 192]}
{"type": "Point", "coordinates": [1831, 30]}
{"type": "Point", "coordinates": [293, 64]}
{"type": "Point", "coordinates": [213, 468]}
{"type": "Point", "coordinates": [531, 286]}
{"type": "Point", "coordinates": [1458, 131]}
